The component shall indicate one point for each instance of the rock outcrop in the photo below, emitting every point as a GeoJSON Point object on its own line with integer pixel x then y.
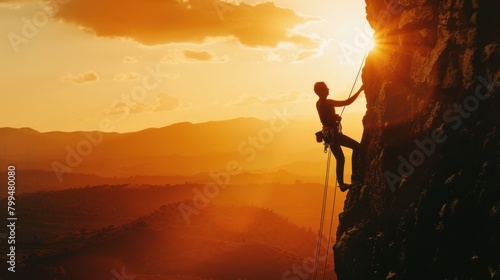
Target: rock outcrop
{"type": "Point", "coordinates": [429, 207]}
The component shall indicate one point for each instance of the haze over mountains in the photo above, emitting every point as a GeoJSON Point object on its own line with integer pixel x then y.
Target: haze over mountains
{"type": "Point", "coordinates": [184, 152]}
{"type": "Point", "coordinates": [94, 203]}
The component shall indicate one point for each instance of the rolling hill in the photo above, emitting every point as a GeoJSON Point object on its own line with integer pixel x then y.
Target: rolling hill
{"type": "Point", "coordinates": [222, 242]}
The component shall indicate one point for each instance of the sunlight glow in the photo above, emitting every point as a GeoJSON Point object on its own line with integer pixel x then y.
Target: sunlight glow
{"type": "Point", "coordinates": [369, 39]}
{"type": "Point", "coordinates": [371, 44]}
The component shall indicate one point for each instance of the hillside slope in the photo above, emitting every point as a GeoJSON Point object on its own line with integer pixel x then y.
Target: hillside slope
{"type": "Point", "coordinates": [222, 242]}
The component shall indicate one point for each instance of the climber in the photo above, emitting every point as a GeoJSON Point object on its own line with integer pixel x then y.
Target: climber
{"type": "Point", "coordinates": [332, 133]}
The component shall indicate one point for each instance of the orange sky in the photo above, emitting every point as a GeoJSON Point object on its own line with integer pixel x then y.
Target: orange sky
{"type": "Point", "coordinates": [126, 65]}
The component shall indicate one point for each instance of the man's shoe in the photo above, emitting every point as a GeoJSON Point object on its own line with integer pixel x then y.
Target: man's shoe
{"type": "Point", "coordinates": [344, 187]}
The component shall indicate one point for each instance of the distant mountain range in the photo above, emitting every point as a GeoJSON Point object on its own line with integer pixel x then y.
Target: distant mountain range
{"type": "Point", "coordinates": [179, 150]}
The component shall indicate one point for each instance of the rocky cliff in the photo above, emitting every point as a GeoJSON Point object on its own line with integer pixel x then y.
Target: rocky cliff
{"type": "Point", "coordinates": [429, 207]}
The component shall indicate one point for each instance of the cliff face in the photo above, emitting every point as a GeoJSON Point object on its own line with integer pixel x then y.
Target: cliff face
{"type": "Point", "coordinates": [429, 207]}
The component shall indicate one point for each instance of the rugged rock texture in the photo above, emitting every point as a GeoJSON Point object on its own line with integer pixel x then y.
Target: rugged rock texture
{"type": "Point", "coordinates": [430, 204]}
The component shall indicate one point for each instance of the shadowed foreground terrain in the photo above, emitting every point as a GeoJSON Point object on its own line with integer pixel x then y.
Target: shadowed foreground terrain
{"type": "Point", "coordinates": [96, 232]}
{"type": "Point", "coordinates": [223, 242]}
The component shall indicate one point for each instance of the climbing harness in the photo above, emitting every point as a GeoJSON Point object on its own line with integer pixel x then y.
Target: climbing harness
{"type": "Point", "coordinates": [329, 132]}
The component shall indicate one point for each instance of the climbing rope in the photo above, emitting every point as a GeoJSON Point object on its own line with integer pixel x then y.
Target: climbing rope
{"type": "Point", "coordinates": [325, 195]}
{"type": "Point", "coordinates": [323, 209]}
{"type": "Point", "coordinates": [356, 80]}
{"type": "Point", "coordinates": [330, 231]}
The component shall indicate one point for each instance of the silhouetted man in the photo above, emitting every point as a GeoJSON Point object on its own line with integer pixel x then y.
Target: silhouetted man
{"type": "Point", "coordinates": [332, 133]}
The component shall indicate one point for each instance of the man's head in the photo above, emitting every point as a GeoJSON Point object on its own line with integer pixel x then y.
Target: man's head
{"type": "Point", "coordinates": [321, 89]}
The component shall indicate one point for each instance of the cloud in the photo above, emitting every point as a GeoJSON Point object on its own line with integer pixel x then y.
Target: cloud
{"type": "Point", "coordinates": [310, 53]}
{"type": "Point", "coordinates": [303, 55]}
{"type": "Point", "coordinates": [163, 102]}
{"type": "Point", "coordinates": [191, 56]}
{"type": "Point", "coordinates": [272, 56]}
{"type": "Point", "coordinates": [292, 96]}
{"type": "Point", "coordinates": [167, 102]}
{"type": "Point", "coordinates": [133, 76]}
{"type": "Point", "coordinates": [15, 2]}
{"type": "Point", "coordinates": [86, 77]}
{"type": "Point", "coordinates": [198, 55]}
{"type": "Point", "coordinates": [174, 21]}
{"type": "Point", "coordinates": [130, 59]}
{"type": "Point", "coordinates": [122, 109]}
{"type": "Point", "coordinates": [201, 56]}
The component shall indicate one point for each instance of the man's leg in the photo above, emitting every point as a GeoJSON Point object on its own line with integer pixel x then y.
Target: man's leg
{"type": "Point", "coordinates": [339, 156]}
{"type": "Point", "coordinates": [346, 141]}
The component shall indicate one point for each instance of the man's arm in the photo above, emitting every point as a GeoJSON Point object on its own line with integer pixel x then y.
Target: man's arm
{"type": "Point", "coordinates": [350, 100]}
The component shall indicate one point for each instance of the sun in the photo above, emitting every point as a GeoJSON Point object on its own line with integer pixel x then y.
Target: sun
{"type": "Point", "coordinates": [371, 43]}
{"type": "Point", "coordinates": [363, 39]}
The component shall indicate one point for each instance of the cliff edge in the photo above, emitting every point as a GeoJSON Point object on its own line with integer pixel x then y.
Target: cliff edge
{"type": "Point", "coordinates": [429, 207]}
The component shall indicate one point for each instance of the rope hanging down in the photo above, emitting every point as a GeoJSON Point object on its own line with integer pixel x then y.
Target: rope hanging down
{"type": "Point", "coordinates": [325, 195]}
{"type": "Point", "coordinates": [323, 209]}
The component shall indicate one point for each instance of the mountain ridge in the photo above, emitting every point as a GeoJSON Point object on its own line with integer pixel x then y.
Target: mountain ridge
{"type": "Point", "coordinates": [183, 149]}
